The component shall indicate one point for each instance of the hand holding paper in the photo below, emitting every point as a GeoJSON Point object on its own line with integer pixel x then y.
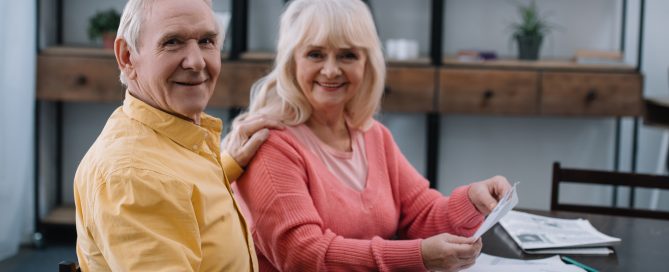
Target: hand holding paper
{"type": "Point", "coordinates": [487, 193]}
{"type": "Point", "coordinates": [446, 252]}
{"type": "Point", "coordinates": [505, 204]}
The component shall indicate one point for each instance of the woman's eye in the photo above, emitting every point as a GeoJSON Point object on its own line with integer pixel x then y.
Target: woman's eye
{"type": "Point", "coordinates": [349, 56]}
{"type": "Point", "coordinates": [315, 55]}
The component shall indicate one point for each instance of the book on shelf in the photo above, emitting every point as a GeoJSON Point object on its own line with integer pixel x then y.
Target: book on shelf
{"type": "Point", "coordinates": [536, 234]}
{"type": "Point", "coordinates": [471, 55]}
{"type": "Point", "coordinates": [598, 57]}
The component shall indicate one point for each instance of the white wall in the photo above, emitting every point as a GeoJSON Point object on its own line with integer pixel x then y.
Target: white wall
{"type": "Point", "coordinates": [398, 19]}
{"type": "Point", "coordinates": [473, 147]}
{"type": "Point", "coordinates": [485, 24]}
{"type": "Point", "coordinates": [17, 92]}
{"type": "Point", "coordinates": [263, 24]}
{"type": "Point", "coordinates": [78, 12]}
{"type": "Point", "coordinates": [523, 149]}
{"type": "Point", "coordinates": [656, 71]}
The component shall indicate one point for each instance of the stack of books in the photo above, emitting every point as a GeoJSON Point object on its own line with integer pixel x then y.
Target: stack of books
{"type": "Point", "coordinates": [536, 234]}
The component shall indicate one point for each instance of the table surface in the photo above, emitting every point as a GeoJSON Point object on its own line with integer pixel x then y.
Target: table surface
{"type": "Point", "coordinates": [644, 242]}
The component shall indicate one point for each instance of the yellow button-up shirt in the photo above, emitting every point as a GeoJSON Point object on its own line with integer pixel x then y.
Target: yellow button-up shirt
{"type": "Point", "coordinates": [151, 194]}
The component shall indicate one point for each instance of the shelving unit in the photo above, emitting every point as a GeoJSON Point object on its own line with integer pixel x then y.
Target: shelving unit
{"type": "Point", "coordinates": [433, 85]}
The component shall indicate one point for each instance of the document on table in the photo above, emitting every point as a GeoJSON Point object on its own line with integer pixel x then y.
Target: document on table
{"type": "Point", "coordinates": [572, 251]}
{"type": "Point", "coordinates": [508, 201]}
{"type": "Point", "coordinates": [537, 234]}
{"type": "Point", "coordinates": [487, 262]}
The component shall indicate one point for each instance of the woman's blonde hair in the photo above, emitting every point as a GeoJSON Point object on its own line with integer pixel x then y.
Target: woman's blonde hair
{"type": "Point", "coordinates": [338, 23]}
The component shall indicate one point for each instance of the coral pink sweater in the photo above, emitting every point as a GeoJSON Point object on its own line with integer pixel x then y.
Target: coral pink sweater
{"type": "Point", "coordinates": [304, 219]}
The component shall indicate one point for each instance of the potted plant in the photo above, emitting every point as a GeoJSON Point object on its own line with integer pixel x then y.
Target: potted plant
{"type": "Point", "coordinates": [530, 31]}
{"type": "Point", "coordinates": [104, 25]}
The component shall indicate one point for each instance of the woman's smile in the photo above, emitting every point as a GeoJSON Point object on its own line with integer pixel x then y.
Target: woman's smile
{"type": "Point", "coordinates": [331, 86]}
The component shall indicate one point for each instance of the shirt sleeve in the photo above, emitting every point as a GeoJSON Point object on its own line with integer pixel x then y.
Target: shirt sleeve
{"type": "Point", "coordinates": [290, 232]}
{"type": "Point", "coordinates": [231, 168]}
{"type": "Point", "coordinates": [425, 212]}
{"type": "Point", "coordinates": [145, 221]}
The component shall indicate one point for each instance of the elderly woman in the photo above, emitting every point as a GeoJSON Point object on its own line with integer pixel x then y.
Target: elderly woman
{"type": "Point", "coordinates": [332, 191]}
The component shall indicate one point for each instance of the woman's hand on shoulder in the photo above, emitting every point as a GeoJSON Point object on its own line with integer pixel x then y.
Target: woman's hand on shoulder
{"type": "Point", "coordinates": [247, 135]}
{"type": "Point", "coordinates": [485, 194]}
{"type": "Point", "coordinates": [446, 252]}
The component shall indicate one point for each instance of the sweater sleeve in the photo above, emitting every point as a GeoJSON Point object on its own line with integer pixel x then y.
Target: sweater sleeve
{"type": "Point", "coordinates": [289, 231]}
{"type": "Point", "coordinates": [424, 211]}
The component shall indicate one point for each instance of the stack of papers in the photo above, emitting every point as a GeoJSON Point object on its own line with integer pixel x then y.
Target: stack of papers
{"type": "Point", "coordinates": [536, 234]}
{"type": "Point", "coordinates": [487, 263]}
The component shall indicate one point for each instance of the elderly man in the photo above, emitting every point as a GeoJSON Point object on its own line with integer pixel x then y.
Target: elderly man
{"type": "Point", "coordinates": [153, 192]}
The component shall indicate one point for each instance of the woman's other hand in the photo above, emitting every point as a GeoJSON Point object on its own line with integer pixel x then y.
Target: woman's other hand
{"type": "Point", "coordinates": [485, 194]}
{"type": "Point", "coordinates": [446, 252]}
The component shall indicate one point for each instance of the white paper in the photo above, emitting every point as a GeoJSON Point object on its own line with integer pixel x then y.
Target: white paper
{"type": "Point", "coordinates": [505, 204]}
{"type": "Point", "coordinates": [532, 232]}
{"type": "Point", "coordinates": [524, 268]}
{"type": "Point", "coordinates": [488, 263]}
{"type": "Point", "coordinates": [572, 251]}
{"type": "Point", "coordinates": [485, 259]}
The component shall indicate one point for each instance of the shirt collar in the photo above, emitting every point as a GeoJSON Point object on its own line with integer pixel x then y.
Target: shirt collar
{"type": "Point", "coordinates": [183, 132]}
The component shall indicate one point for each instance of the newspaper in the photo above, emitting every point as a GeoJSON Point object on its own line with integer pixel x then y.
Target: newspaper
{"type": "Point", "coordinates": [544, 235]}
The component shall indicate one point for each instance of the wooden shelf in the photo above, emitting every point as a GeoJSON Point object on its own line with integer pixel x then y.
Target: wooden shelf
{"type": "Point", "coordinates": [488, 92]}
{"type": "Point", "coordinates": [269, 57]}
{"type": "Point", "coordinates": [423, 61]}
{"type": "Point", "coordinates": [544, 87]}
{"type": "Point", "coordinates": [64, 51]}
{"type": "Point", "coordinates": [591, 94]}
{"type": "Point", "coordinates": [550, 65]}
{"type": "Point", "coordinates": [409, 89]}
{"type": "Point", "coordinates": [92, 76]}
{"type": "Point", "coordinates": [501, 87]}
{"type": "Point", "coordinates": [258, 56]}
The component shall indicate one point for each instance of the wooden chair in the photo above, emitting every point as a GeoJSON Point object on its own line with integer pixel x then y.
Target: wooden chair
{"type": "Point", "coordinates": [656, 114]}
{"type": "Point", "coordinates": [582, 176]}
{"type": "Point", "coordinates": [66, 266]}
{"type": "Point", "coordinates": [656, 111]}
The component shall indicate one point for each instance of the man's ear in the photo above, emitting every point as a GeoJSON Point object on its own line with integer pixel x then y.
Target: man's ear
{"type": "Point", "coordinates": [123, 59]}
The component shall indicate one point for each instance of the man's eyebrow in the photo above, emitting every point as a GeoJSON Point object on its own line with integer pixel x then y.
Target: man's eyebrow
{"type": "Point", "coordinates": [210, 34]}
{"type": "Point", "coordinates": [172, 35]}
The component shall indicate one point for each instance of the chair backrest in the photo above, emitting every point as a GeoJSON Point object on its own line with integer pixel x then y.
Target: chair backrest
{"type": "Point", "coordinates": [656, 111]}
{"type": "Point", "coordinates": [66, 266]}
{"type": "Point", "coordinates": [582, 176]}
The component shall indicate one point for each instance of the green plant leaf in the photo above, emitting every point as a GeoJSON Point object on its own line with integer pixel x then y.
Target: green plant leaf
{"type": "Point", "coordinates": [103, 22]}
{"type": "Point", "coordinates": [532, 22]}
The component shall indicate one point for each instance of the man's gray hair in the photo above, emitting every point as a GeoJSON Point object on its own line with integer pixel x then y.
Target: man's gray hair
{"type": "Point", "coordinates": [131, 23]}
